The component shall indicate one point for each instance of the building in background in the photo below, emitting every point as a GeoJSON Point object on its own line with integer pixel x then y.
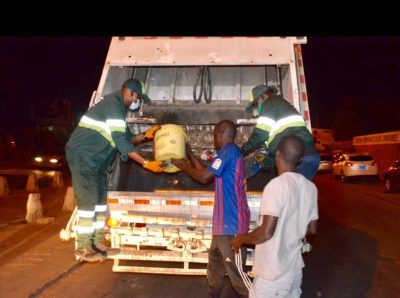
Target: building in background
{"type": "Point", "coordinates": [323, 138]}
{"type": "Point", "coordinates": [384, 147]}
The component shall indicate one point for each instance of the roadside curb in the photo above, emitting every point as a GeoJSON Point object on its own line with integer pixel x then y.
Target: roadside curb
{"type": "Point", "coordinates": [13, 223]}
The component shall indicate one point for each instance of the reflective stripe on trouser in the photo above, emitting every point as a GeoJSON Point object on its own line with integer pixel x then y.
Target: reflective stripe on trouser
{"type": "Point", "coordinates": [84, 228]}
{"type": "Point", "coordinates": [100, 220]}
{"type": "Point", "coordinates": [89, 186]}
{"type": "Point", "coordinates": [221, 261]}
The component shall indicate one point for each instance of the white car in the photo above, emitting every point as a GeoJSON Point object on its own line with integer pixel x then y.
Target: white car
{"type": "Point", "coordinates": [326, 163]}
{"type": "Point", "coordinates": [355, 165]}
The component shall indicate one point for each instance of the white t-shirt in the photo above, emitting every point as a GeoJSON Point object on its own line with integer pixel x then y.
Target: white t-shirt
{"type": "Point", "coordinates": [293, 199]}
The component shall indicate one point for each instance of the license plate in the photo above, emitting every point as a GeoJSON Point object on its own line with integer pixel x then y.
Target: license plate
{"type": "Point", "coordinates": [362, 167]}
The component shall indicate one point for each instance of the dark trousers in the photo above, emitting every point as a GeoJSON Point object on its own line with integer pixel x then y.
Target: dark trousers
{"type": "Point", "coordinates": [221, 261]}
{"type": "Point", "coordinates": [89, 184]}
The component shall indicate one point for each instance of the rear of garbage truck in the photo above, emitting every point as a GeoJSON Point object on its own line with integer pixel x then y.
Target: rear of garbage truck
{"type": "Point", "coordinates": [162, 222]}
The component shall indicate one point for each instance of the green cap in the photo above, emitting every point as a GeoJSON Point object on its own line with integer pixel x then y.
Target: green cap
{"type": "Point", "coordinates": [137, 86]}
{"type": "Point", "coordinates": [254, 94]}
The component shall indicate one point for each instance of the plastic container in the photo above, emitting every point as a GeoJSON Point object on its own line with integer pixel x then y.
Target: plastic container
{"type": "Point", "coordinates": [170, 143]}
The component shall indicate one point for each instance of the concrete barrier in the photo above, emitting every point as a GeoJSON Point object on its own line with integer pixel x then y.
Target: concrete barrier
{"type": "Point", "coordinates": [69, 200]}
{"type": "Point", "coordinates": [4, 190]}
{"type": "Point", "coordinates": [33, 208]}
{"type": "Point", "coordinates": [32, 184]}
{"type": "Point", "coordinates": [58, 180]}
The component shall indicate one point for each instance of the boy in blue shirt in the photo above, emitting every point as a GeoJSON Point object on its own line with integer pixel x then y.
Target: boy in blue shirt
{"type": "Point", "coordinates": [231, 215]}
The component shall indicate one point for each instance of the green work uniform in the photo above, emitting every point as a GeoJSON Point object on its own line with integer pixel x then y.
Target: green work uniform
{"type": "Point", "coordinates": [90, 150]}
{"type": "Point", "coordinates": [278, 118]}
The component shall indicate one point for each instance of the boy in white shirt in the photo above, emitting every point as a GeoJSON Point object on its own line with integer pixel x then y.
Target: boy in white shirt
{"type": "Point", "coordinates": [288, 212]}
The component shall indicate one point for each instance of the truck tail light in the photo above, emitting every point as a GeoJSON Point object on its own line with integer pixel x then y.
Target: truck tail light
{"type": "Point", "coordinates": [139, 225]}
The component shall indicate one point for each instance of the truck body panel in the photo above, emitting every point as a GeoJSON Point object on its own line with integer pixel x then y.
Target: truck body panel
{"type": "Point", "coordinates": [163, 222]}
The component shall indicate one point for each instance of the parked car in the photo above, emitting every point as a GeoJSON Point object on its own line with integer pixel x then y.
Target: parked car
{"type": "Point", "coordinates": [355, 165]}
{"type": "Point", "coordinates": [326, 163]}
{"type": "Point", "coordinates": [392, 177]}
{"type": "Point", "coordinates": [48, 159]}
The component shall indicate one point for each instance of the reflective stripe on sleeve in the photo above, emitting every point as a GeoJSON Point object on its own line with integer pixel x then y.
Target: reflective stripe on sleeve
{"type": "Point", "coordinates": [116, 125]}
{"type": "Point", "coordinates": [265, 123]}
{"type": "Point", "coordinates": [100, 127]}
{"type": "Point", "coordinates": [282, 124]}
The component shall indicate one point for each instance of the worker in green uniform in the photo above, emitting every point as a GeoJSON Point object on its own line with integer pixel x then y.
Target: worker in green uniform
{"type": "Point", "coordinates": [90, 150]}
{"type": "Point", "coordinates": [278, 118]}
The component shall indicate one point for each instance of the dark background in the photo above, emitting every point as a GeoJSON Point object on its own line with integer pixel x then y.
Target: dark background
{"type": "Point", "coordinates": [352, 82]}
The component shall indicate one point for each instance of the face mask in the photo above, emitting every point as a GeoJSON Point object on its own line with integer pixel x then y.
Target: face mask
{"type": "Point", "coordinates": [134, 105]}
{"type": "Point", "coordinates": [259, 106]}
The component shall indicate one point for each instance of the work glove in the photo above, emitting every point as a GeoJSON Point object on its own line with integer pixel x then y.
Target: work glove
{"type": "Point", "coordinates": [149, 134]}
{"type": "Point", "coordinates": [259, 158]}
{"type": "Point", "coordinates": [154, 166]}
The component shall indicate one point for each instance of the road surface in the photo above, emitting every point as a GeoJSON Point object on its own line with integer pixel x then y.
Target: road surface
{"type": "Point", "coordinates": [356, 253]}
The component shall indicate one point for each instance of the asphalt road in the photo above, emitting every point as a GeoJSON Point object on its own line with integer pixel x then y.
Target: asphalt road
{"type": "Point", "coordinates": [356, 253]}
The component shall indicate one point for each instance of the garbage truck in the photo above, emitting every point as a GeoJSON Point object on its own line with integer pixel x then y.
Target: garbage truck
{"type": "Point", "coordinates": [162, 222]}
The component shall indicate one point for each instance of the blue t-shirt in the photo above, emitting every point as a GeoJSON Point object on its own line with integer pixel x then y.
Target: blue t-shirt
{"type": "Point", "coordinates": [231, 212]}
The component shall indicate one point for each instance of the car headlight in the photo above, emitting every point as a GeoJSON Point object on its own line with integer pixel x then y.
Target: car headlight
{"type": "Point", "coordinates": [38, 159]}
{"type": "Point", "coordinates": [54, 160]}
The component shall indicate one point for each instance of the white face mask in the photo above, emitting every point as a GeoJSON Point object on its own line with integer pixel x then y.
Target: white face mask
{"type": "Point", "coordinates": [134, 105]}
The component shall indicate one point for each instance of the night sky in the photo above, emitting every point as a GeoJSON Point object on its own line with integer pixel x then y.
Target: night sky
{"type": "Point", "coordinates": [353, 83]}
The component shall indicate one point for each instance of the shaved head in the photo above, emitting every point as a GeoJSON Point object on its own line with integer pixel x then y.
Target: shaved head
{"type": "Point", "coordinates": [291, 149]}
{"type": "Point", "coordinates": [227, 127]}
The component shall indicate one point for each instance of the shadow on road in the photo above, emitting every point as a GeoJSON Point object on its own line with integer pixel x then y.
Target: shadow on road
{"type": "Point", "coordinates": [171, 285]}
{"type": "Point", "coordinates": [341, 263]}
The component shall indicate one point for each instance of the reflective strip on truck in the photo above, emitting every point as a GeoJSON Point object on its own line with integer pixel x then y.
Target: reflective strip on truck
{"type": "Point", "coordinates": [206, 203]}
{"type": "Point", "coordinates": [173, 202]}
{"type": "Point", "coordinates": [191, 37]}
{"type": "Point", "coordinates": [302, 85]}
{"type": "Point", "coordinates": [170, 202]}
{"type": "Point", "coordinates": [141, 201]}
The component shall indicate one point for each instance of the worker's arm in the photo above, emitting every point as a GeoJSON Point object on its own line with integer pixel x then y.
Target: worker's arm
{"type": "Point", "coordinates": [154, 166]}
{"type": "Point", "coordinates": [137, 157]}
{"type": "Point", "coordinates": [264, 126]}
{"type": "Point", "coordinates": [138, 139]}
{"type": "Point", "coordinates": [200, 174]}
{"type": "Point", "coordinates": [147, 136]}
{"type": "Point", "coordinates": [259, 235]}
{"type": "Point", "coordinates": [121, 137]}
{"type": "Point", "coordinates": [257, 138]}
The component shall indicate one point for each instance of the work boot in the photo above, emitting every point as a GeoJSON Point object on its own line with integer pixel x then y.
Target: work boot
{"type": "Point", "coordinates": [104, 250]}
{"type": "Point", "coordinates": [89, 255]}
